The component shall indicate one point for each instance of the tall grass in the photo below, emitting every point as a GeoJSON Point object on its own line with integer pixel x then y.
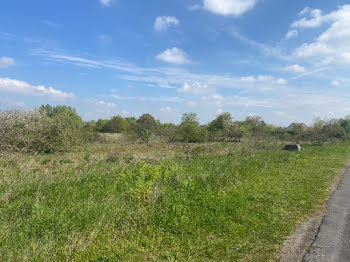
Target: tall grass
{"type": "Point", "coordinates": [233, 207]}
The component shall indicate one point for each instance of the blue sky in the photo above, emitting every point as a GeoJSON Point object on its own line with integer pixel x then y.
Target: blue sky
{"type": "Point", "coordinates": [284, 60]}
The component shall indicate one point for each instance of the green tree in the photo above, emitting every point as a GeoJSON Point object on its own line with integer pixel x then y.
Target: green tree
{"type": "Point", "coordinates": [236, 131]}
{"type": "Point", "coordinates": [345, 123]}
{"type": "Point", "coordinates": [334, 130]}
{"type": "Point", "coordinates": [65, 127]}
{"type": "Point", "coordinates": [190, 117]}
{"type": "Point", "coordinates": [221, 122]}
{"type": "Point", "coordinates": [189, 129]}
{"type": "Point", "coordinates": [100, 125]}
{"type": "Point", "coordinates": [255, 125]}
{"type": "Point", "coordinates": [68, 112]}
{"type": "Point", "coordinates": [116, 125]}
{"type": "Point", "coordinates": [147, 121]}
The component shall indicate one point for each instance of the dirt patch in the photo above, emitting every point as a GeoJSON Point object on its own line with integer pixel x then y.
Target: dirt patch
{"type": "Point", "coordinates": [296, 246]}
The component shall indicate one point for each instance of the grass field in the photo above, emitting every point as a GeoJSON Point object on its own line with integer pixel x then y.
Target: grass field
{"type": "Point", "coordinates": [161, 202]}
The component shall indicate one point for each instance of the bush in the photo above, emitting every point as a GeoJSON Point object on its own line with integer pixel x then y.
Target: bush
{"type": "Point", "coordinates": [220, 123]}
{"type": "Point", "coordinates": [68, 112]}
{"type": "Point", "coordinates": [190, 131]}
{"type": "Point", "coordinates": [116, 125]}
{"type": "Point", "coordinates": [100, 124]}
{"type": "Point", "coordinates": [236, 131]}
{"type": "Point", "coordinates": [145, 135]}
{"type": "Point", "coordinates": [143, 128]}
{"type": "Point", "coordinates": [38, 132]}
{"type": "Point", "coordinates": [147, 121]}
{"type": "Point", "coordinates": [90, 132]}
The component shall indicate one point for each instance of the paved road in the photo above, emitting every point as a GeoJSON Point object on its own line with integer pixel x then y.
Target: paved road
{"type": "Point", "coordinates": [332, 243]}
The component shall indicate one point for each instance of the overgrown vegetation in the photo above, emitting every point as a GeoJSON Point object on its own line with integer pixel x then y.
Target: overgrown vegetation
{"type": "Point", "coordinates": [42, 130]}
{"type": "Point", "coordinates": [51, 129]}
{"type": "Point", "coordinates": [214, 202]}
{"type": "Point", "coordinates": [129, 189]}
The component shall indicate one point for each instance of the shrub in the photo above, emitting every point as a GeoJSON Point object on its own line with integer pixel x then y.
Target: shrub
{"type": "Point", "coordinates": [143, 128]}
{"type": "Point", "coordinates": [100, 125]}
{"type": "Point", "coordinates": [236, 131]}
{"type": "Point", "coordinates": [68, 112]}
{"type": "Point", "coordinates": [145, 135]}
{"type": "Point", "coordinates": [116, 125]}
{"type": "Point", "coordinates": [255, 125]}
{"type": "Point", "coordinates": [190, 131]}
{"type": "Point", "coordinates": [38, 132]}
{"type": "Point", "coordinates": [220, 123]}
{"type": "Point", "coordinates": [166, 131]}
{"type": "Point", "coordinates": [147, 121]}
{"type": "Point", "coordinates": [90, 132]}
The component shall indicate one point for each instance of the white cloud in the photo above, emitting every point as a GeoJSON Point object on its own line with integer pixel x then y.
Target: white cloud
{"type": "Point", "coordinates": [6, 62]}
{"type": "Point", "coordinates": [162, 23]}
{"type": "Point", "coordinates": [281, 81]}
{"type": "Point", "coordinates": [265, 49]}
{"type": "Point", "coordinates": [248, 79]}
{"type": "Point", "coordinates": [194, 7]}
{"type": "Point", "coordinates": [229, 7]}
{"type": "Point", "coordinates": [174, 99]}
{"type": "Point", "coordinates": [262, 79]}
{"type": "Point", "coordinates": [298, 69]}
{"type": "Point", "coordinates": [292, 34]}
{"type": "Point", "coordinates": [167, 77]}
{"type": "Point", "coordinates": [195, 88]}
{"type": "Point", "coordinates": [167, 109]}
{"type": "Point", "coordinates": [315, 19]}
{"type": "Point", "coordinates": [333, 45]}
{"type": "Point", "coordinates": [305, 11]}
{"type": "Point", "coordinates": [215, 99]}
{"type": "Point", "coordinates": [335, 83]}
{"type": "Point", "coordinates": [174, 56]}
{"type": "Point", "coordinates": [309, 73]}
{"type": "Point", "coordinates": [106, 104]}
{"type": "Point", "coordinates": [15, 86]}
{"type": "Point", "coordinates": [106, 2]}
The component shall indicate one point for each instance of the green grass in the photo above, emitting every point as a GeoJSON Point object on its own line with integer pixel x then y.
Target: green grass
{"type": "Point", "coordinates": [239, 206]}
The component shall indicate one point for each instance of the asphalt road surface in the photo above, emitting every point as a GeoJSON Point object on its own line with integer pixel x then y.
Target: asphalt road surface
{"type": "Point", "coordinates": [332, 243]}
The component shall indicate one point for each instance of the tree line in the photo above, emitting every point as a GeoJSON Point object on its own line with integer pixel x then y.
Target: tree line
{"type": "Point", "coordinates": [224, 128]}
{"type": "Point", "coordinates": [58, 128]}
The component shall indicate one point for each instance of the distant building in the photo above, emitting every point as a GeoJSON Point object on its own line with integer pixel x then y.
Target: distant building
{"type": "Point", "coordinates": [296, 126]}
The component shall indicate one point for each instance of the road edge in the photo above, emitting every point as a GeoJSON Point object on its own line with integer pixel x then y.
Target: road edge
{"type": "Point", "coordinates": [299, 243]}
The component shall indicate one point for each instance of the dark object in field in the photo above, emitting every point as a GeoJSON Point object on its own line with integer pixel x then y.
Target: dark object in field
{"type": "Point", "coordinates": [295, 147]}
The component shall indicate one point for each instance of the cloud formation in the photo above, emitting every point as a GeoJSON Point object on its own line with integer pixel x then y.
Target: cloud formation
{"type": "Point", "coordinates": [106, 104]}
{"type": "Point", "coordinates": [263, 79]}
{"type": "Point", "coordinates": [314, 19]}
{"type": "Point", "coordinates": [195, 88]}
{"type": "Point", "coordinates": [8, 85]}
{"type": "Point", "coordinates": [162, 23]}
{"type": "Point", "coordinates": [229, 7]}
{"type": "Point", "coordinates": [167, 109]}
{"type": "Point", "coordinates": [174, 56]}
{"type": "Point", "coordinates": [292, 34]}
{"type": "Point", "coordinates": [298, 69]}
{"type": "Point", "coordinates": [333, 45]}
